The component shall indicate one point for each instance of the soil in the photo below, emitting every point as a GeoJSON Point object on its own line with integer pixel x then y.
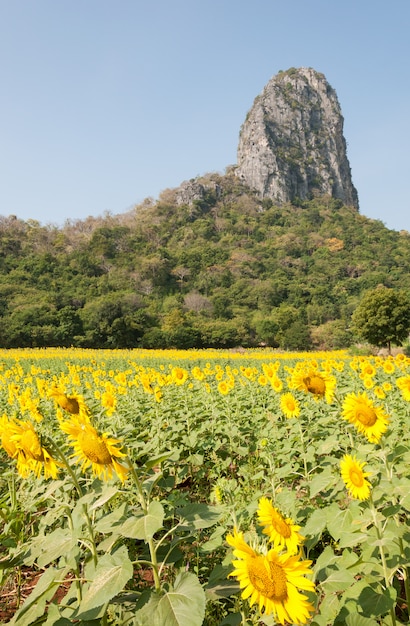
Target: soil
{"type": "Point", "coordinates": [13, 593]}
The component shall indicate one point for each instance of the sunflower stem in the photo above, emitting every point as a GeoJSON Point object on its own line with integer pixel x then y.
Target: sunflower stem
{"type": "Point", "coordinates": [302, 441]}
{"type": "Point", "coordinates": [77, 567]}
{"type": "Point", "coordinates": [379, 534]}
{"type": "Point", "coordinates": [69, 469]}
{"type": "Point", "coordinates": [138, 484]}
{"type": "Point", "coordinates": [91, 533]}
{"type": "Point", "coordinates": [93, 547]}
{"type": "Point", "coordinates": [150, 542]}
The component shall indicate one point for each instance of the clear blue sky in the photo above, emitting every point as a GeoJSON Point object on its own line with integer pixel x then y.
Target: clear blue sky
{"type": "Point", "coordinates": [107, 102]}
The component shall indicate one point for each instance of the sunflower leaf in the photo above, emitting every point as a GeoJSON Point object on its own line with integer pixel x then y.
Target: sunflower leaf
{"type": "Point", "coordinates": [375, 603]}
{"type": "Point", "coordinates": [113, 571]}
{"type": "Point", "coordinates": [182, 605]}
{"type": "Point", "coordinates": [146, 526]}
{"type": "Point", "coordinates": [199, 516]}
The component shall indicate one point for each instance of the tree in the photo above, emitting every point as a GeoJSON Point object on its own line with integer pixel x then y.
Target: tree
{"type": "Point", "coordinates": [383, 316]}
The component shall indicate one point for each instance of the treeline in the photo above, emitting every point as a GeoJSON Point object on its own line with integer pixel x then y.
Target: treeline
{"type": "Point", "coordinates": [223, 270]}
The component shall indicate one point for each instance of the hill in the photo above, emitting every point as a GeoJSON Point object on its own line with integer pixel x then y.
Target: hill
{"type": "Point", "coordinates": [274, 252]}
{"type": "Point", "coordinates": [209, 264]}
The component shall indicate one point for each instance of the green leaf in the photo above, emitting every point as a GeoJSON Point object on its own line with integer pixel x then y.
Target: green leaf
{"type": "Point", "coordinates": [183, 605]}
{"type": "Point", "coordinates": [157, 460]}
{"type": "Point", "coordinates": [353, 619]}
{"type": "Point", "coordinates": [341, 521]}
{"type": "Point", "coordinates": [54, 617]}
{"type": "Point", "coordinates": [110, 522]}
{"type": "Point", "coordinates": [328, 557]}
{"type": "Point", "coordinates": [328, 610]}
{"type": "Point", "coordinates": [316, 523]}
{"type": "Point", "coordinates": [349, 540]}
{"type": "Point", "coordinates": [146, 526]}
{"type": "Point", "coordinates": [34, 605]}
{"type": "Point", "coordinates": [113, 571]}
{"type": "Point", "coordinates": [199, 516]}
{"type": "Point", "coordinates": [234, 619]}
{"type": "Point", "coordinates": [338, 581]}
{"type": "Point", "coordinates": [56, 544]}
{"type": "Point", "coordinates": [215, 540]}
{"type": "Point", "coordinates": [321, 482]}
{"type": "Point", "coordinates": [109, 493]}
{"type": "Point", "coordinates": [375, 603]}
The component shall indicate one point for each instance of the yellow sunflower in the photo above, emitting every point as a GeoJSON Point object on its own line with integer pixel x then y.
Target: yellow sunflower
{"type": "Point", "coordinates": [379, 392]}
{"type": "Point", "coordinates": [388, 366]}
{"type": "Point", "coordinates": [100, 452]}
{"type": "Point", "coordinates": [403, 383]}
{"type": "Point", "coordinates": [276, 383]}
{"type": "Point", "coordinates": [179, 375]}
{"type": "Point", "coordinates": [272, 581]}
{"type": "Point", "coordinates": [73, 404]}
{"type": "Point", "coordinates": [157, 394]}
{"type": "Point", "coordinates": [21, 442]}
{"type": "Point", "coordinates": [223, 388]}
{"type": "Point", "coordinates": [355, 478]}
{"type": "Point", "coordinates": [370, 420]}
{"type": "Point", "coordinates": [109, 401]}
{"type": "Point", "coordinates": [282, 532]}
{"type": "Point", "coordinates": [7, 430]}
{"type": "Point", "coordinates": [289, 405]}
{"type": "Point", "coordinates": [318, 383]}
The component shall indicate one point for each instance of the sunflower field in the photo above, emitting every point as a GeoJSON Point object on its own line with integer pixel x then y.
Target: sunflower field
{"type": "Point", "coordinates": [189, 488]}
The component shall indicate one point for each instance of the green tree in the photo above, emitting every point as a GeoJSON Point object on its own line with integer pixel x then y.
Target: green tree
{"type": "Point", "coordinates": [383, 316]}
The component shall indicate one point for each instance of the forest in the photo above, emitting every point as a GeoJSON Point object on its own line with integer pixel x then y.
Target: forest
{"type": "Point", "coordinates": [225, 270]}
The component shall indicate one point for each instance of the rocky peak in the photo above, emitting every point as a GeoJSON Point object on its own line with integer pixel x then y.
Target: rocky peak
{"type": "Point", "coordinates": [291, 144]}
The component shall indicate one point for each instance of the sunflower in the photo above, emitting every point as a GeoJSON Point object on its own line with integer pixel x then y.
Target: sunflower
{"type": "Point", "coordinates": [223, 388]}
{"type": "Point", "coordinates": [21, 442]}
{"type": "Point", "coordinates": [109, 401]}
{"type": "Point", "coordinates": [157, 394]}
{"type": "Point", "coordinates": [403, 383]}
{"type": "Point", "coordinates": [100, 452]}
{"type": "Point", "coordinates": [370, 420]}
{"type": "Point", "coordinates": [198, 373]}
{"type": "Point", "coordinates": [7, 430]}
{"type": "Point", "coordinates": [289, 405]}
{"type": "Point", "coordinates": [368, 382]}
{"type": "Point", "coordinates": [179, 375]}
{"type": "Point", "coordinates": [355, 478]}
{"type": "Point", "coordinates": [272, 581]}
{"type": "Point", "coordinates": [318, 383]}
{"type": "Point", "coordinates": [282, 532]}
{"type": "Point", "coordinates": [269, 370]}
{"type": "Point", "coordinates": [379, 392]}
{"type": "Point", "coordinates": [276, 384]}
{"type": "Point", "coordinates": [388, 366]}
{"type": "Point", "coordinates": [73, 404]}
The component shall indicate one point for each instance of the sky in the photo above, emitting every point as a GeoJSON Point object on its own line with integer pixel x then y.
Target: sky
{"type": "Point", "coordinates": [107, 102]}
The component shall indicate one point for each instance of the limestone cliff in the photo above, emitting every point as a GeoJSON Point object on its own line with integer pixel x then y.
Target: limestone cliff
{"type": "Point", "coordinates": [292, 144]}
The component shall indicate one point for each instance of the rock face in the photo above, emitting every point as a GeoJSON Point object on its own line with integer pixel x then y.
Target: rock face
{"type": "Point", "coordinates": [291, 144]}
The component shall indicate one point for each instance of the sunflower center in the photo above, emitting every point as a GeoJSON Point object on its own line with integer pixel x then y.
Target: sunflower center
{"type": "Point", "coordinates": [71, 406]}
{"type": "Point", "coordinates": [271, 583]}
{"type": "Point", "coordinates": [279, 524]}
{"type": "Point", "coordinates": [315, 384]}
{"type": "Point", "coordinates": [366, 415]}
{"type": "Point", "coordinates": [356, 477]}
{"type": "Point", "coordinates": [95, 449]}
{"type": "Point", "coordinates": [290, 404]}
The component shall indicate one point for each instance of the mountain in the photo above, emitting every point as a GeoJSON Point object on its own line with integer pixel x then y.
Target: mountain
{"type": "Point", "coordinates": [221, 261]}
{"type": "Point", "coordinates": [292, 145]}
